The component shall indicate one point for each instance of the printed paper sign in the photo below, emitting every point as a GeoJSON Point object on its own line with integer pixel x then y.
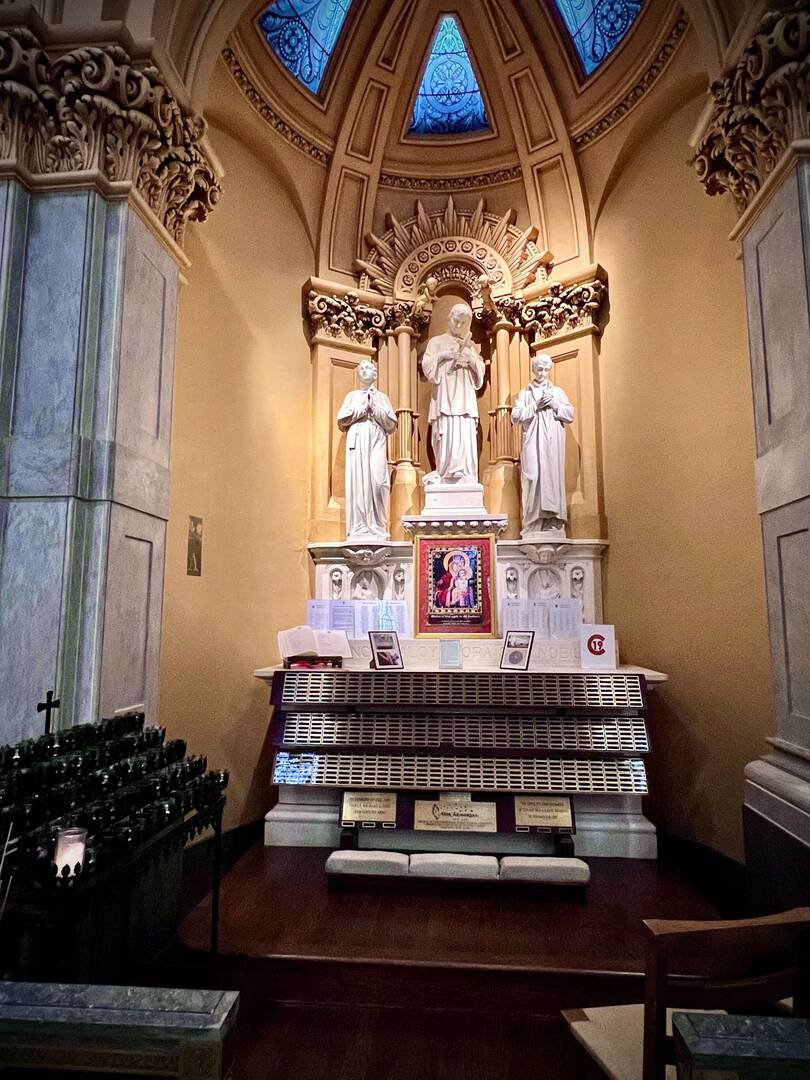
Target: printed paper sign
{"type": "Point", "coordinates": [598, 646]}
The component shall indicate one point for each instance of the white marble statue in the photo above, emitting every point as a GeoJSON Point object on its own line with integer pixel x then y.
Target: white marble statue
{"type": "Point", "coordinates": [367, 417]}
{"type": "Point", "coordinates": [542, 410]}
{"type": "Point", "coordinates": [452, 363]}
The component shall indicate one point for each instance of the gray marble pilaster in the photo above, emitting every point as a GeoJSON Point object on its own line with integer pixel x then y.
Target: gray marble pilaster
{"type": "Point", "coordinates": [776, 254]}
{"type": "Point", "coordinates": [88, 302]}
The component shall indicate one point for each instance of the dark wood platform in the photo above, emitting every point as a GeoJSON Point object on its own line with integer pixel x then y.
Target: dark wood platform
{"type": "Point", "coordinates": [286, 937]}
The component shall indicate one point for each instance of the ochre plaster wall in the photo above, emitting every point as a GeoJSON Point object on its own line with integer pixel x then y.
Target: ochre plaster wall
{"type": "Point", "coordinates": [239, 460]}
{"type": "Point", "coordinates": [684, 579]}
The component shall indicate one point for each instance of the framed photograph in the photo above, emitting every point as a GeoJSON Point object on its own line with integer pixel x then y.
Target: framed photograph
{"type": "Point", "coordinates": [385, 650]}
{"type": "Point", "coordinates": [517, 648]}
{"type": "Point", "coordinates": [455, 586]}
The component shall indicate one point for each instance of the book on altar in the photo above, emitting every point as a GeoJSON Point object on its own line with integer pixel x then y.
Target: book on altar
{"type": "Point", "coordinates": [304, 641]}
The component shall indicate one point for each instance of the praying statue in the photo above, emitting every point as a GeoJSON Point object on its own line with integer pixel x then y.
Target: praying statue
{"type": "Point", "coordinates": [542, 410]}
{"type": "Point", "coordinates": [452, 363]}
{"type": "Point", "coordinates": [367, 417]}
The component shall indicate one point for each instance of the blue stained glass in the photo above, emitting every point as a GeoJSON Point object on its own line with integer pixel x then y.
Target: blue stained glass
{"type": "Point", "coordinates": [302, 34]}
{"type": "Point", "coordinates": [449, 100]}
{"type": "Point", "coordinates": [597, 26]}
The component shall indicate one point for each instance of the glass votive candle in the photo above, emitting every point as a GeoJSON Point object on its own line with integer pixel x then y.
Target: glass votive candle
{"type": "Point", "coordinates": [70, 845]}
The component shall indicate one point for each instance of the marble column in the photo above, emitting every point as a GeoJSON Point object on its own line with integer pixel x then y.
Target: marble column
{"type": "Point", "coordinates": [93, 203]}
{"type": "Point", "coordinates": [757, 146]}
{"type": "Point", "coordinates": [501, 477]}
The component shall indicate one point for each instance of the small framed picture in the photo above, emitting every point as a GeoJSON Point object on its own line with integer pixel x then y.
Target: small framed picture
{"type": "Point", "coordinates": [385, 650]}
{"type": "Point", "coordinates": [517, 648]}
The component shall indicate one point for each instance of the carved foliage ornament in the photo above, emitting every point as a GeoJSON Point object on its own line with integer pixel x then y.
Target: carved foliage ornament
{"type": "Point", "coordinates": [94, 109]}
{"type": "Point", "coordinates": [344, 317]}
{"type": "Point", "coordinates": [760, 107]}
{"type": "Point", "coordinates": [564, 308]}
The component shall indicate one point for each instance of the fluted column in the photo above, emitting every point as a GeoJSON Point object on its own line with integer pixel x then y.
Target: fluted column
{"type": "Point", "coordinates": [501, 477]}
{"type": "Point", "coordinates": [100, 170]}
{"type": "Point", "coordinates": [406, 319]}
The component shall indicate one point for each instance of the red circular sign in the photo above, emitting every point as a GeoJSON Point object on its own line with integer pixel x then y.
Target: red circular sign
{"type": "Point", "coordinates": [596, 645]}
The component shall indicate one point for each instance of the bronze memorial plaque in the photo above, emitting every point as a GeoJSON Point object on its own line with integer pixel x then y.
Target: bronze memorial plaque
{"type": "Point", "coordinates": [359, 807]}
{"type": "Point", "coordinates": [543, 812]}
{"type": "Point", "coordinates": [454, 815]}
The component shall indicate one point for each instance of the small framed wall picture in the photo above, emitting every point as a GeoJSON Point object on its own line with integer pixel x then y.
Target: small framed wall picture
{"type": "Point", "coordinates": [385, 651]}
{"type": "Point", "coordinates": [517, 648]}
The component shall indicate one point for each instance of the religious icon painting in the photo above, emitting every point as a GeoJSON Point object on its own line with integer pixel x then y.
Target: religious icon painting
{"type": "Point", "coordinates": [455, 586]}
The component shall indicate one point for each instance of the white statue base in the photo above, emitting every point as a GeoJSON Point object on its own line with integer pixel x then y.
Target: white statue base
{"type": "Point", "coordinates": [458, 499]}
{"type": "Point", "coordinates": [553, 568]}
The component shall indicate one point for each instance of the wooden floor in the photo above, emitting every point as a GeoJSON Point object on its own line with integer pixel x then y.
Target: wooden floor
{"type": "Point", "coordinates": [275, 902]}
{"type": "Point", "coordinates": [404, 986]}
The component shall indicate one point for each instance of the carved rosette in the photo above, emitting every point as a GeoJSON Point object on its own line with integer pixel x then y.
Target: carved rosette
{"type": "Point", "coordinates": [96, 110]}
{"type": "Point", "coordinates": [564, 308]}
{"type": "Point", "coordinates": [344, 317]}
{"type": "Point", "coordinates": [760, 107]}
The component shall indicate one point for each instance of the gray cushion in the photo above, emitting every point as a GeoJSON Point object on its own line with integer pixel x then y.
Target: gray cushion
{"type": "Point", "coordinates": [540, 869]}
{"type": "Point", "coordinates": [447, 865]}
{"type": "Point", "coordinates": [368, 862]}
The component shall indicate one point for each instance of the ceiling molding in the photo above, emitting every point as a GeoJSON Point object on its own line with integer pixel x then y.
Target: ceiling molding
{"type": "Point", "coordinates": [640, 88]}
{"type": "Point", "coordinates": [505, 175]}
{"type": "Point", "coordinates": [268, 113]}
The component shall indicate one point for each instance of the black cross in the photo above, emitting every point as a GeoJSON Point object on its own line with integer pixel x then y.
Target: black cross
{"type": "Point", "coordinates": [48, 706]}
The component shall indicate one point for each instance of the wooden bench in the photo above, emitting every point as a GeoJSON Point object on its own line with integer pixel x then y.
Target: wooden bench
{"type": "Point", "coordinates": [126, 1029]}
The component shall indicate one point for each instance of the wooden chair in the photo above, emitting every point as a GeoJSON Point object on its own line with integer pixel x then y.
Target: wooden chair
{"type": "Point", "coordinates": [745, 966]}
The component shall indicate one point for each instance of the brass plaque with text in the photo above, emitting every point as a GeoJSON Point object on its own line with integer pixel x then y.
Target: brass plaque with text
{"type": "Point", "coordinates": [454, 815]}
{"type": "Point", "coordinates": [543, 811]}
{"type": "Point", "coordinates": [377, 806]}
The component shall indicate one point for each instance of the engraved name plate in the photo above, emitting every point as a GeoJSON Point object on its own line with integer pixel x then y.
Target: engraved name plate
{"type": "Point", "coordinates": [543, 811]}
{"type": "Point", "coordinates": [379, 807]}
{"type": "Point", "coordinates": [454, 815]}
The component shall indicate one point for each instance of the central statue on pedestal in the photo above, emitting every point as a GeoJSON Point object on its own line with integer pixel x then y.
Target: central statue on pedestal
{"type": "Point", "coordinates": [452, 363]}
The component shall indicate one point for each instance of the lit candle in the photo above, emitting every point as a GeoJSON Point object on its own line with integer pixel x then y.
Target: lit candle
{"type": "Point", "coordinates": [70, 844]}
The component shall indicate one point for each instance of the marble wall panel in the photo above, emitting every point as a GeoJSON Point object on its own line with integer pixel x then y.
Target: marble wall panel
{"type": "Point", "coordinates": [32, 554]}
{"type": "Point", "coordinates": [132, 612]}
{"type": "Point", "coordinates": [144, 399]}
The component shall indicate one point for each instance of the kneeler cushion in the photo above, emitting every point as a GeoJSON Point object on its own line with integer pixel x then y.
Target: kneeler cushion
{"type": "Point", "coordinates": [537, 868]}
{"type": "Point", "coordinates": [448, 865]}
{"type": "Point", "coordinates": [393, 863]}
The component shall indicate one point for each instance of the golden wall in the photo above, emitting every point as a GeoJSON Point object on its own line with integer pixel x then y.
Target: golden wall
{"type": "Point", "coordinates": [239, 461]}
{"type": "Point", "coordinates": [684, 574]}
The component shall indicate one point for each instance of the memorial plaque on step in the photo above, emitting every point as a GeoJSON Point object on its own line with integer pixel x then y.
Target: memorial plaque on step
{"type": "Point", "coordinates": [544, 813]}
{"type": "Point", "coordinates": [454, 815]}
{"type": "Point", "coordinates": [368, 809]}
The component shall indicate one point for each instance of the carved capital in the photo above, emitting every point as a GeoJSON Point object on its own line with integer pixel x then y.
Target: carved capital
{"type": "Point", "coordinates": [493, 309]}
{"type": "Point", "coordinates": [344, 317]}
{"type": "Point", "coordinates": [98, 112]}
{"type": "Point", "coordinates": [564, 308]}
{"type": "Point", "coordinates": [760, 107]}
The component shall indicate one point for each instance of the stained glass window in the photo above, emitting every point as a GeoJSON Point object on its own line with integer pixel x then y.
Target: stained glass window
{"type": "Point", "coordinates": [302, 34]}
{"type": "Point", "coordinates": [449, 100]}
{"type": "Point", "coordinates": [597, 26]}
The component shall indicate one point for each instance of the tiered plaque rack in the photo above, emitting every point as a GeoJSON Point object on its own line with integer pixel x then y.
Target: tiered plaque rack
{"type": "Point", "coordinates": [492, 734]}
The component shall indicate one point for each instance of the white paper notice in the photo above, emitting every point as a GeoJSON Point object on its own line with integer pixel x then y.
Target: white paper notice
{"type": "Point", "coordinates": [366, 617]}
{"type": "Point", "coordinates": [341, 615]}
{"type": "Point", "coordinates": [565, 619]}
{"type": "Point", "coordinates": [513, 615]}
{"type": "Point", "coordinates": [318, 614]}
{"type": "Point", "coordinates": [394, 615]}
{"type": "Point", "coordinates": [333, 643]}
{"type": "Point", "coordinates": [598, 646]}
{"type": "Point", "coordinates": [539, 617]}
{"type": "Point", "coordinates": [449, 654]}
